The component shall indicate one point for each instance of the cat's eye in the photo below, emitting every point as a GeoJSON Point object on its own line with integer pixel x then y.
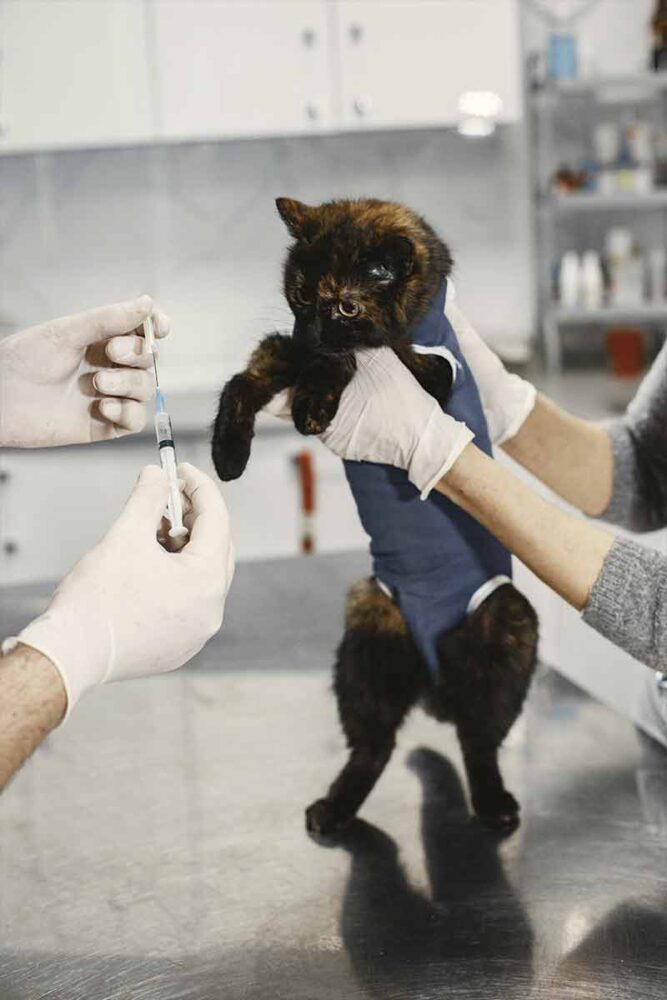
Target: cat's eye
{"type": "Point", "coordinates": [348, 309]}
{"type": "Point", "coordinates": [300, 298]}
{"type": "Point", "coordinates": [380, 272]}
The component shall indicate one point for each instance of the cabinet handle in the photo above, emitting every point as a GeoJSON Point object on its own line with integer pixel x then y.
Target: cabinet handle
{"type": "Point", "coordinates": [363, 105]}
{"type": "Point", "coordinates": [312, 112]}
{"type": "Point", "coordinates": [10, 548]}
{"type": "Point", "coordinates": [309, 37]}
{"type": "Point", "coordinates": [4, 477]}
{"type": "Point", "coordinates": [356, 33]}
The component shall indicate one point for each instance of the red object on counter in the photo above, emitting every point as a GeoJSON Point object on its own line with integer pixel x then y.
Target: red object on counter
{"type": "Point", "coordinates": [625, 349]}
{"type": "Point", "coordinates": [306, 471]}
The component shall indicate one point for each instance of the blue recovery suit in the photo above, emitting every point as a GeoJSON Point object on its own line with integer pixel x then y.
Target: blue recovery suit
{"type": "Point", "coordinates": [435, 560]}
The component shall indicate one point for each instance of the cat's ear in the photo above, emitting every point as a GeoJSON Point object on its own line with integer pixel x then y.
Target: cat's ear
{"type": "Point", "coordinates": [300, 219]}
{"type": "Point", "coordinates": [398, 255]}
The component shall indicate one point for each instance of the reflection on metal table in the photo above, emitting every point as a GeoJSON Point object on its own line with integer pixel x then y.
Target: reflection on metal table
{"type": "Point", "coordinates": [155, 848]}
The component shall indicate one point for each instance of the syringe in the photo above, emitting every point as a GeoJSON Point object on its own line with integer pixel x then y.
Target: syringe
{"type": "Point", "coordinates": [165, 443]}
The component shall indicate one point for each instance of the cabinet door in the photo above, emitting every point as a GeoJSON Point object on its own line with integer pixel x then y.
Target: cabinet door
{"type": "Point", "coordinates": [73, 73]}
{"type": "Point", "coordinates": [57, 503]}
{"type": "Point", "coordinates": [242, 67]}
{"type": "Point", "coordinates": [407, 64]}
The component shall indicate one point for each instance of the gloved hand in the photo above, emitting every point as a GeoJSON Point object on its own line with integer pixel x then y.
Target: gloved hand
{"type": "Point", "coordinates": [385, 416]}
{"type": "Point", "coordinates": [507, 399]}
{"type": "Point", "coordinates": [77, 379]}
{"type": "Point", "coordinates": [129, 608]}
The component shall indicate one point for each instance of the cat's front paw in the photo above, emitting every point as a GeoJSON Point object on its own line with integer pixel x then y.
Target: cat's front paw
{"type": "Point", "coordinates": [312, 413]}
{"type": "Point", "coordinates": [233, 432]}
{"type": "Point", "coordinates": [322, 819]}
{"type": "Point", "coordinates": [231, 451]}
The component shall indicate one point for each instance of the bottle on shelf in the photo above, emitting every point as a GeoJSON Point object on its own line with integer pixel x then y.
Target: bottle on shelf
{"type": "Point", "coordinates": [592, 281]}
{"type": "Point", "coordinates": [625, 267]}
{"type": "Point", "coordinates": [657, 262]}
{"type": "Point", "coordinates": [569, 280]}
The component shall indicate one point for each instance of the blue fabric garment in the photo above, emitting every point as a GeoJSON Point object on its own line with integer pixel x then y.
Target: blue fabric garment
{"type": "Point", "coordinates": [430, 553]}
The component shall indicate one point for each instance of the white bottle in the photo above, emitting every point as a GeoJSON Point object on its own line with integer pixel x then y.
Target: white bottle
{"type": "Point", "coordinates": [569, 280]}
{"type": "Point", "coordinates": [657, 261]}
{"type": "Point", "coordinates": [592, 280]}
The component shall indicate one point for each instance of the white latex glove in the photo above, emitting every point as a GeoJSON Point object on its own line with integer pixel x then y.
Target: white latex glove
{"type": "Point", "coordinates": [77, 379]}
{"type": "Point", "coordinates": [129, 608]}
{"type": "Point", "coordinates": [507, 399]}
{"type": "Point", "coordinates": [386, 417]}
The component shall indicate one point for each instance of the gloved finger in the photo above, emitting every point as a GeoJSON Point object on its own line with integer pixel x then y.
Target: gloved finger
{"type": "Point", "coordinates": [128, 383]}
{"type": "Point", "coordinates": [129, 350]}
{"type": "Point", "coordinates": [87, 328]}
{"type": "Point", "coordinates": [281, 405]}
{"type": "Point", "coordinates": [209, 532]}
{"type": "Point", "coordinates": [147, 501]}
{"type": "Point", "coordinates": [161, 323]}
{"type": "Point", "coordinates": [127, 416]}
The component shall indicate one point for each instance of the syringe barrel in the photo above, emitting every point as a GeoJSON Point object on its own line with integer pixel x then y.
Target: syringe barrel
{"type": "Point", "coordinates": [167, 453]}
{"type": "Point", "coordinates": [163, 431]}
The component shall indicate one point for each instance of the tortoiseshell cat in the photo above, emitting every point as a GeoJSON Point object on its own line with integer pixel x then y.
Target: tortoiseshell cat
{"type": "Point", "coordinates": [369, 273]}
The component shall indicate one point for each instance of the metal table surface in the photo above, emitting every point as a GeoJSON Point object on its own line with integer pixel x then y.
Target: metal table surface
{"type": "Point", "coordinates": [154, 847]}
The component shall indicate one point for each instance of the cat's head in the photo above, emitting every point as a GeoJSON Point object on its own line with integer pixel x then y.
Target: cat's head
{"type": "Point", "coordinates": [359, 273]}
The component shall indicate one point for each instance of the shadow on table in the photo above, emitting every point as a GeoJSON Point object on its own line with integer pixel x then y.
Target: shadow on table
{"type": "Point", "coordinates": [468, 936]}
{"type": "Point", "coordinates": [470, 933]}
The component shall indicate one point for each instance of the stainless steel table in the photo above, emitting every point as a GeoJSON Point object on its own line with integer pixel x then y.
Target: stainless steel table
{"type": "Point", "coordinates": [154, 847]}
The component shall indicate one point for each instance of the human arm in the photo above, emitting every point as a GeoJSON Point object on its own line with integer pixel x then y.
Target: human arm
{"type": "Point", "coordinates": [77, 379]}
{"type": "Point", "coordinates": [32, 704]}
{"type": "Point", "coordinates": [615, 470]}
{"type": "Point", "coordinates": [129, 608]}
{"type": "Point", "coordinates": [566, 552]}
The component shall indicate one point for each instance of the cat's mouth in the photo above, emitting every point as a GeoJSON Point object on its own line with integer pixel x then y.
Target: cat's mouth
{"type": "Point", "coordinates": [336, 334]}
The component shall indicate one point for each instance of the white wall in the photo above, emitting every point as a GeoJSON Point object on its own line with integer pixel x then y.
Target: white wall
{"type": "Point", "coordinates": [196, 226]}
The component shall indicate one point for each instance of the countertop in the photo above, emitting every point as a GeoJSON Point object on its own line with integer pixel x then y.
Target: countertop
{"type": "Point", "coordinates": [154, 846]}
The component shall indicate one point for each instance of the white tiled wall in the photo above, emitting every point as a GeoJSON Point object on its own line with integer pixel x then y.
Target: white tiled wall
{"type": "Point", "coordinates": [196, 226]}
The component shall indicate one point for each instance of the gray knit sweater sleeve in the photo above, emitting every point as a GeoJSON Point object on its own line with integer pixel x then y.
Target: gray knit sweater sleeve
{"type": "Point", "coordinates": [628, 603]}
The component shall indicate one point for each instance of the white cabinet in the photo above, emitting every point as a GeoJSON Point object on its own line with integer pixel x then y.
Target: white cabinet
{"type": "Point", "coordinates": [242, 67]}
{"type": "Point", "coordinates": [73, 73]}
{"type": "Point", "coordinates": [406, 63]}
{"type": "Point", "coordinates": [82, 73]}
{"type": "Point", "coordinates": [56, 503]}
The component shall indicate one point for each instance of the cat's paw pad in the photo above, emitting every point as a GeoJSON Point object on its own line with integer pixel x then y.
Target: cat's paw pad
{"type": "Point", "coordinates": [321, 819]}
{"type": "Point", "coordinates": [500, 813]}
{"type": "Point", "coordinates": [313, 414]}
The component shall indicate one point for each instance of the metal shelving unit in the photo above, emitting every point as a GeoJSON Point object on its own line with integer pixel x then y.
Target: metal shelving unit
{"type": "Point", "coordinates": [565, 107]}
{"type": "Point", "coordinates": [609, 202]}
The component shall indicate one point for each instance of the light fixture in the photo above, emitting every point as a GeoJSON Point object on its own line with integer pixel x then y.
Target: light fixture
{"type": "Point", "coordinates": [479, 111]}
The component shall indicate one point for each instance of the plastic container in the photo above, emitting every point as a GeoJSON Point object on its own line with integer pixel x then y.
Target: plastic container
{"type": "Point", "coordinates": [592, 280]}
{"type": "Point", "coordinates": [569, 280]}
{"type": "Point", "coordinates": [562, 57]}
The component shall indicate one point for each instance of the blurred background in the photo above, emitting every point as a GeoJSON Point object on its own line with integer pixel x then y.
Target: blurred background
{"type": "Point", "coordinates": [142, 144]}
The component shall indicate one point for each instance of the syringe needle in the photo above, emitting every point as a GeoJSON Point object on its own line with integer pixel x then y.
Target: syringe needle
{"type": "Point", "coordinates": [149, 337]}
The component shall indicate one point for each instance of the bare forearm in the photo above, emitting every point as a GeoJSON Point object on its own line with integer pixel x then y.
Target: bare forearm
{"type": "Point", "coordinates": [32, 703]}
{"type": "Point", "coordinates": [572, 456]}
{"type": "Point", "coordinates": [566, 553]}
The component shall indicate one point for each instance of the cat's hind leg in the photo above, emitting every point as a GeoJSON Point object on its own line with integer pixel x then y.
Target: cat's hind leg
{"type": "Point", "coordinates": [378, 677]}
{"type": "Point", "coordinates": [487, 665]}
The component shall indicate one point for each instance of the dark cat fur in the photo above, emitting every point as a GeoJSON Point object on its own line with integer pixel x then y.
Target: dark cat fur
{"type": "Point", "coordinates": [360, 274]}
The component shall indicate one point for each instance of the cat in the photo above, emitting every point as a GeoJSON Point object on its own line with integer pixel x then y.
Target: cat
{"type": "Point", "coordinates": [440, 622]}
